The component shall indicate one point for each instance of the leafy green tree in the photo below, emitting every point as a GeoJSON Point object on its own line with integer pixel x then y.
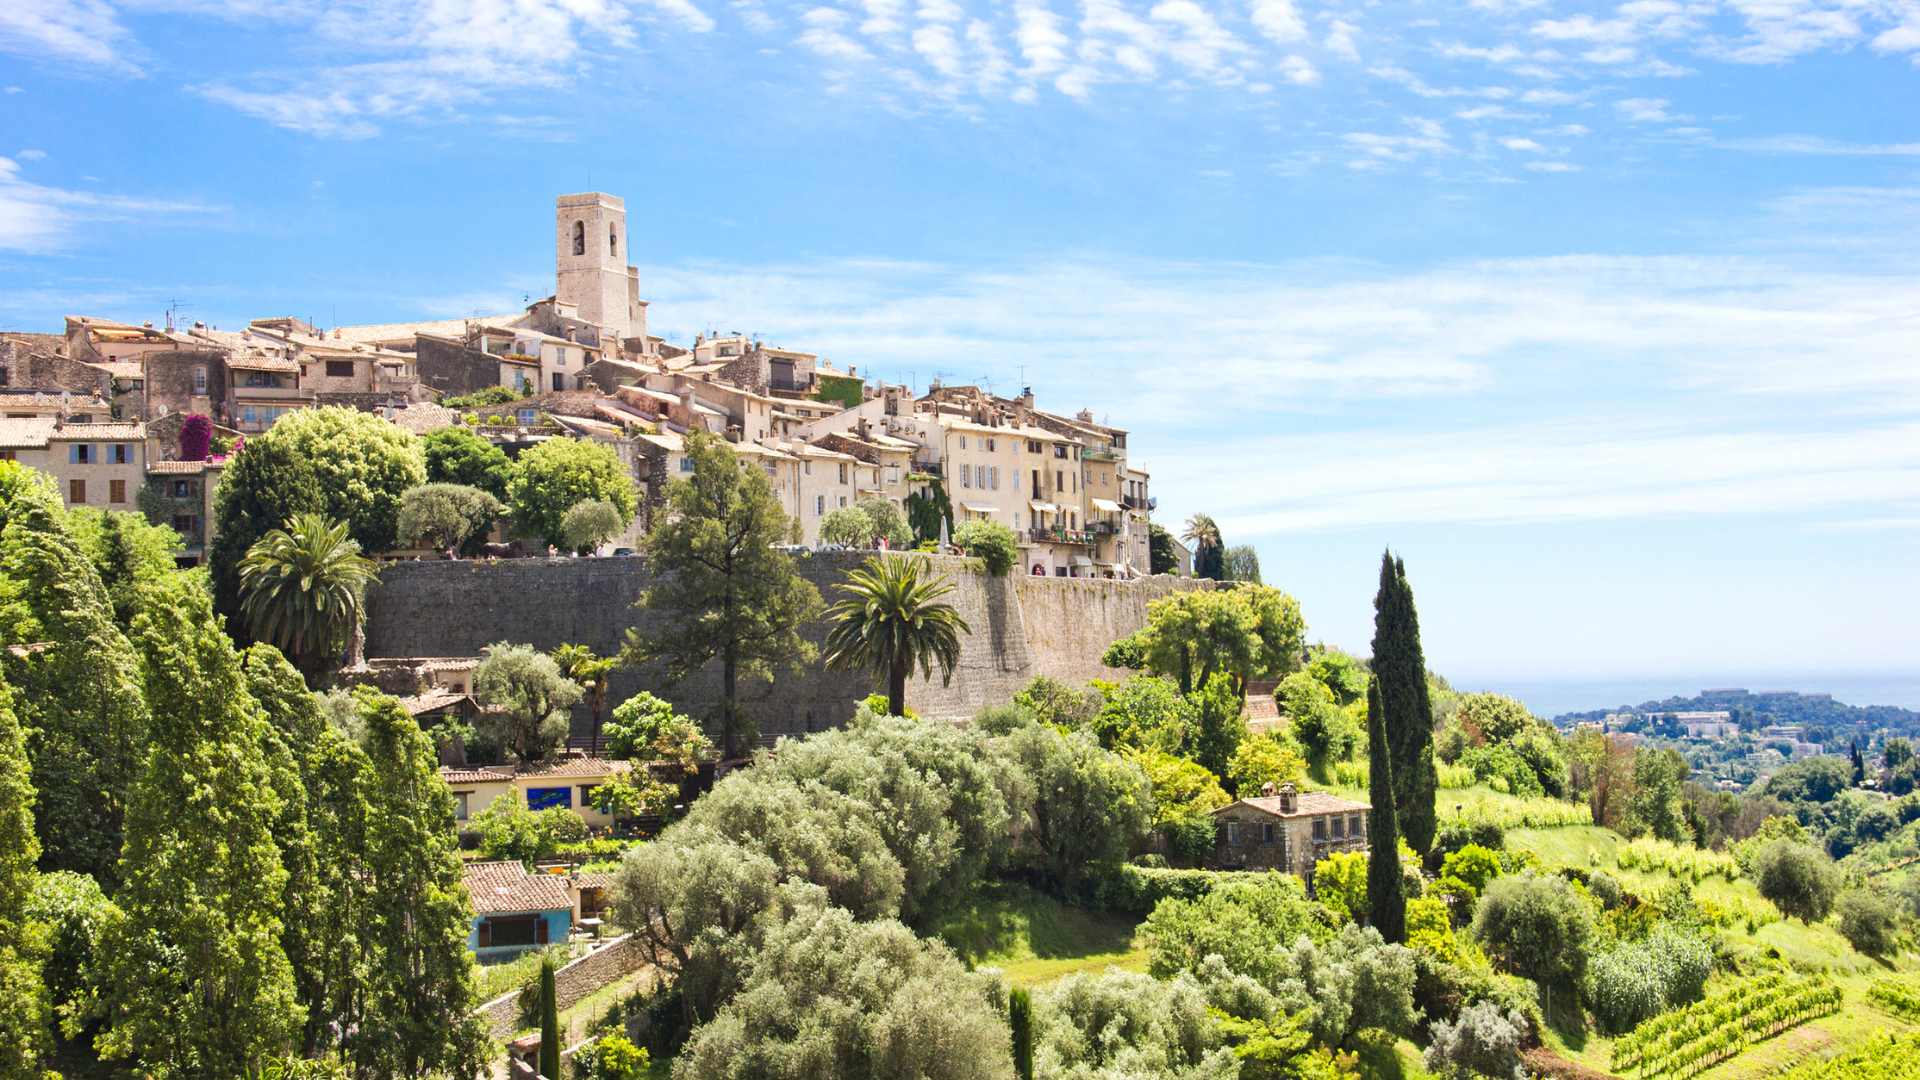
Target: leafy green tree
{"type": "Point", "coordinates": [1249, 632]}
{"type": "Point", "coordinates": [1482, 1041]}
{"type": "Point", "coordinates": [549, 1020]}
{"type": "Point", "coordinates": [24, 1005]}
{"type": "Point", "coordinates": [1147, 711]}
{"type": "Point", "coordinates": [826, 995]}
{"type": "Point", "coordinates": [553, 476]}
{"type": "Point", "coordinates": [1125, 1024]}
{"type": "Point", "coordinates": [1400, 667]}
{"type": "Point", "coordinates": [726, 593]}
{"type": "Point", "coordinates": [1241, 563]}
{"type": "Point", "coordinates": [446, 517]}
{"type": "Point", "coordinates": [1340, 881]}
{"type": "Point", "coordinates": [126, 550]}
{"type": "Point", "coordinates": [1869, 920]}
{"type": "Point", "coordinates": [1325, 732]}
{"type": "Point", "coordinates": [197, 980]}
{"type": "Point", "coordinates": [303, 588]}
{"type": "Point", "coordinates": [943, 799]}
{"type": "Point", "coordinates": [1535, 927]}
{"type": "Point", "coordinates": [457, 456]}
{"type": "Point", "coordinates": [1090, 807]}
{"type": "Point", "coordinates": [990, 542]}
{"type": "Point", "coordinates": [326, 896]}
{"type": "Point", "coordinates": [889, 523]}
{"type": "Point", "coordinates": [418, 1001]}
{"type": "Point", "coordinates": [848, 526]}
{"type": "Point", "coordinates": [1658, 797]}
{"type": "Point", "coordinates": [1209, 553]}
{"type": "Point", "coordinates": [1160, 556]}
{"type": "Point", "coordinates": [647, 728]}
{"type": "Point", "coordinates": [509, 830]}
{"type": "Point", "coordinates": [891, 618]}
{"type": "Point", "coordinates": [1049, 701]}
{"type": "Point", "coordinates": [78, 679]}
{"type": "Point", "coordinates": [1248, 924]}
{"type": "Point", "coordinates": [1262, 759]}
{"type": "Point", "coordinates": [1386, 896]}
{"type": "Point", "coordinates": [1343, 676]}
{"type": "Point", "coordinates": [528, 700]}
{"type": "Point", "coordinates": [1185, 795]}
{"type": "Point", "coordinates": [1492, 718]}
{"type": "Point", "coordinates": [76, 913]}
{"type": "Point", "coordinates": [263, 486]}
{"type": "Point", "coordinates": [348, 465]}
{"type": "Point", "coordinates": [688, 895]}
{"type": "Point", "coordinates": [1798, 878]}
{"type": "Point", "coordinates": [591, 671]}
{"type": "Point", "coordinates": [631, 794]}
{"type": "Point", "coordinates": [1222, 725]}
{"type": "Point", "coordinates": [589, 523]}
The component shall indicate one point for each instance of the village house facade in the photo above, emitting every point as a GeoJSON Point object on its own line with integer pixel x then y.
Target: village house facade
{"type": "Point", "coordinates": [1287, 829]}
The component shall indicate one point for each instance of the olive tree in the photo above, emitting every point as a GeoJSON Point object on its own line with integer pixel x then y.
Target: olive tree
{"type": "Point", "coordinates": [526, 700]}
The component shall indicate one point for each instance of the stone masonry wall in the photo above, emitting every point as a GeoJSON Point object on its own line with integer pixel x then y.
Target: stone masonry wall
{"type": "Point", "coordinates": [605, 965]}
{"type": "Point", "coordinates": [1021, 627]}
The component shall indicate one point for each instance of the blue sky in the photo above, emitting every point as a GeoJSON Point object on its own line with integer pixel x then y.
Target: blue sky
{"type": "Point", "coordinates": [1606, 316]}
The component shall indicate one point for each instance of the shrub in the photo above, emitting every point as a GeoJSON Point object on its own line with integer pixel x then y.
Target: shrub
{"type": "Point", "coordinates": [847, 527]}
{"type": "Point", "coordinates": [611, 1057]}
{"type": "Point", "coordinates": [1870, 921]}
{"type": "Point", "coordinates": [589, 523]}
{"type": "Point", "coordinates": [1484, 1041]}
{"type": "Point", "coordinates": [1634, 981]}
{"type": "Point", "coordinates": [1340, 882]}
{"type": "Point", "coordinates": [1051, 701]}
{"type": "Point", "coordinates": [508, 830]}
{"type": "Point", "coordinates": [1126, 1024]}
{"type": "Point", "coordinates": [990, 542]}
{"type": "Point", "coordinates": [1248, 924]}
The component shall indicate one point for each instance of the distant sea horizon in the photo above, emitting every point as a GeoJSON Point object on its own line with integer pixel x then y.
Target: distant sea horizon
{"type": "Point", "coordinates": [1552, 697]}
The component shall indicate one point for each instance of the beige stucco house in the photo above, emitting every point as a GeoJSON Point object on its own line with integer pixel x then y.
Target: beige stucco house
{"type": "Point", "coordinates": [566, 782]}
{"type": "Point", "coordinates": [97, 465]}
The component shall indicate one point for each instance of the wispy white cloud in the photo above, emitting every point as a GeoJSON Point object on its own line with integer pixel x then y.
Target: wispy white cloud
{"type": "Point", "coordinates": [86, 33]}
{"type": "Point", "coordinates": [38, 218]}
{"type": "Point", "coordinates": [1816, 145]}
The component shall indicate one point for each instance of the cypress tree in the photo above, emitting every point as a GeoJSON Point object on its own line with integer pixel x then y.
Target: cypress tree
{"type": "Point", "coordinates": [1400, 668]}
{"type": "Point", "coordinates": [1020, 1022]}
{"type": "Point", "coordinates": [24, 1009]}
{"type": "Point", "coordinates": [197, 981]}
{"type": "Point", "coordinates": [417, 1000]}
{"type": "Point", "coordinates": [79, 683]}
{"type": "Point", "coordinates": [1859, 764]}
{"type": "Point", "coordinates": [322, 840]}
{"type": "Point", "coordinates": [549, 1022]}
{"type": "Point", "coordinates": [1385, 896]}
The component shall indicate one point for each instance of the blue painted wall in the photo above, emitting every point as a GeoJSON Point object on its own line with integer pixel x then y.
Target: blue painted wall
{"type": "Point", "coordinates": [559, 925]}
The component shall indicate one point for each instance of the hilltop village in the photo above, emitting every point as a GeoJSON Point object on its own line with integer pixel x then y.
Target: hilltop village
{"type": "Point", "coordinates": [528, 696]}
{"type": "Point", "coordinates": [101, 405]}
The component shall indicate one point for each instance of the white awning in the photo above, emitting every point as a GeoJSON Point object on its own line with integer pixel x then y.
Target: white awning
{"type": "Point", "coordinates": [981, 508]}
{"type": "Point", "coordinates": [1082, 560]}
{"type": "Point", "coordinates": [1044, 507]}
{"type": "Point", "coordinates": [1106, 506]}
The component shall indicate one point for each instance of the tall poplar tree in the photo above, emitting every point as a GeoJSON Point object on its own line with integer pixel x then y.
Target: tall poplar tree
{"type": "Point", "coordinates": [197, 982]}
{"type": "Point", "coordinates": [79, 683]}
{"type": "Point", "coordinates": [1400, 669]}
{"type": "Point", "coordinates": [326, 900]}
{"type": "Point", "coordinates": [24, 1010]}
{"type": "Point", "coordinates": [416, 1017]}
{"type": "Point", "coordinates": [726, 592]}
{"type": "Point", "coordinates": [1386, 898]}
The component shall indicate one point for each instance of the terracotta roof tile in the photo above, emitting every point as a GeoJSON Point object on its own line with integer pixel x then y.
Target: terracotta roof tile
{"type": "Point", "coordinates": [502, 887]}
{"type": "Point", "coordinates": [1307, 803]}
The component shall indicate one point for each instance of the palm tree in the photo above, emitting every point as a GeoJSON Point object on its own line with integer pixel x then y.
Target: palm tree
{"type": "Point", "coordinates": [590, 670]}
{"type": "Point", "coordinates": [302, 589]}
{"type": "Point", "coordinates": [892, 618]}
{"type": "Point", "coordinates": [1208, 556]}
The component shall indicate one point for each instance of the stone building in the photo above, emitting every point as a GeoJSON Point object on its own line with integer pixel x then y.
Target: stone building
{"type": "Point", "coordinates": [97, 465]}
{"type": "Point", "coordinates": [1287, 829]}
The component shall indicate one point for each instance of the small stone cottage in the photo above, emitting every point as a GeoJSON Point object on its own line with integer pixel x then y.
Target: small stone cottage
{"type": "Point", "coordinates": [1287, 829]}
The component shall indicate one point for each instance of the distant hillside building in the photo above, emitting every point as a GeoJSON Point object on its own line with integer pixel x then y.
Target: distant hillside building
{"type": "Point", "coordinates": [1287, 829]}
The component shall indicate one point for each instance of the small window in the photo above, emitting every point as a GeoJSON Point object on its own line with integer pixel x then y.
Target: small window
{"type": "Point", "coordinates": [990, 445]}
{"type": "Point", "coordinates": [1233, 832]}
{"type": "Point", "coordinates": [80, 454]}
{"type": "Point", "coordinates": [579, 238]}
{"type": "Point", "coordinates": [339, 369]}
{"type": "Point", "coordinates": [1267, 832]}
{"type": "Point", "coordinates": [200, 381]}
{"type": "Point", "coordinates": [541, 798]}
{"type": "Point", "coordinates": [76, 492]}
{"type": "Point", "coordinates": [963, 442]}
{"type": "Point", "coordinates": [613, 240]}
{"type": "Point", "coordinates": [819, 504]}
{"type": "Point", "coordinates": [559, 381]}
{"type": "Point", "coordinates": [686, 464]}
{"type": "Point", "coordinates": [116, 491]}
{"type": "Point", "coordinates": [1339, 828]}
{"type": "Point", "coordinates": [121, 454]}
{"type": "Point", "coordinates": [527, 416]}
{"type": "Point", "coordinates": [186, 524]}
{"type": "Point", "coordinates": [1319, 828]}
{"type": "Point", "coordinates": [183, 489]}
{"type": "Point", "coordinates": [1356, 825]}
{"type": "Point", "coordinates": [460, 804]}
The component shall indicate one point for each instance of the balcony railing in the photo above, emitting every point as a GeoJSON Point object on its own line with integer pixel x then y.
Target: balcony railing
{"type": "Point", "coordinates": [1104, 528]}
{"type": "Point", "coordinates": [1046, 535]}
{"type": "Point", "coordinates": [1138, 502]}
{"type": "Point", "coordinates": [929, 468]}
{"type": "Point", "coordinates": [789, 383]}
{"type": "Point", "coordinates": [1095, 453]}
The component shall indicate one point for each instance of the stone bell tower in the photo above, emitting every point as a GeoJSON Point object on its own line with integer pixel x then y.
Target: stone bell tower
{"type": "Point", "coordinates": [590, 255]}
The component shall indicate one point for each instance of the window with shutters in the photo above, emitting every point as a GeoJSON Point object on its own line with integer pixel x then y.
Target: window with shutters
{"type": "Point", "coordinates": [76, 492]}
{"type": "Point", "coordinates": [116, 491]}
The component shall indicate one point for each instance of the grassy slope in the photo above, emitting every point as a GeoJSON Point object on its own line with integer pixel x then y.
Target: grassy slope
{"type": "Point", "coordinates": [1809, 948]}
{"type": "Point", "coordinates": [1036, 939]}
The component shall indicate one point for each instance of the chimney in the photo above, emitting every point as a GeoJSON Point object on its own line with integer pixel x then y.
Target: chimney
{"type": "Point", "coordinates": [1289, 798]}
{"type": "Point", "coordinates": [1266, 790]}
